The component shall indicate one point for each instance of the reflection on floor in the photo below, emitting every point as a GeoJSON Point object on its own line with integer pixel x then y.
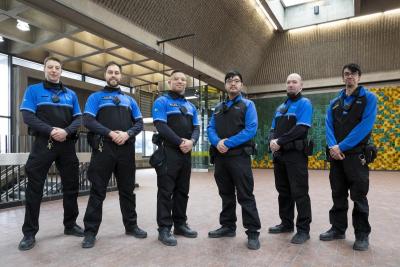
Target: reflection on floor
{"type": "Point", "coordinates": [114, 248]}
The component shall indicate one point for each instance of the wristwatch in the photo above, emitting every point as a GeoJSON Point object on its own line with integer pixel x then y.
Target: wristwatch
{"type": "Point", "coordinates": [130, 133]}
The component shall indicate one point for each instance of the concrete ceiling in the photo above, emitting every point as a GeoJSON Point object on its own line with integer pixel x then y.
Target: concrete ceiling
{"type": "Point", "coordinates": [79, 50]}
{"type": "Point", "coordinates": [230, 34]}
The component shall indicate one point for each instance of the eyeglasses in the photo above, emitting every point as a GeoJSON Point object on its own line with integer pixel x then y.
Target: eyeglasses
{"type": "Point", "coordinates": [233, 81]}
{"type": "Point", "coordinates": [352, 74]}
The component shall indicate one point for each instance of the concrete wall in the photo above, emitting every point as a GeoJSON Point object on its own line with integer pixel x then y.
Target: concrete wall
{"type": "Point", "coordinates": [319, 52]}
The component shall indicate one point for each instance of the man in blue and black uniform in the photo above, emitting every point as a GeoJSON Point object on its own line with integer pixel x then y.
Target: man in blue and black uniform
{"type": "Point", "coordinates": [230, 131]}
{"type": "Point", "coordinates": [349, 121]}
{"type": "Point", "coordinates": [53, 116]}
{"type": "Point", "coordinates": [176, 121]}
{"type": "Point", "coordinates": [113, 119]}
{"type": "Point", "coordinates": [289, 145]}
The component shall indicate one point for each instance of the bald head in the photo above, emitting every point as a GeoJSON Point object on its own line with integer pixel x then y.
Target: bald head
{"type": "Point", "coordinates": [294, 84]}
{"type": "Point", "coordinates": [294, 76]}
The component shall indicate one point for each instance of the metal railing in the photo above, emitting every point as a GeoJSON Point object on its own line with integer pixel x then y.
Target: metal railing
{"type": "Point", "coordinates": [14, 180]}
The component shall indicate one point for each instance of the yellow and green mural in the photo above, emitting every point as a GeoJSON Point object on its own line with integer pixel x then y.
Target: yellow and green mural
{"type": "Point", "coordinates": [385, 135]}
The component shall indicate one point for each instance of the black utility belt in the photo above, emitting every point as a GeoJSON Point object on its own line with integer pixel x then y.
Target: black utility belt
{"type": "Point", "coordinates": [248, 150]}
{"type": "Point", "coordinates": [367, 153]}
{"type": "Point", "coordinates": [302, 145]}
{"type": "Point", "coordinates": [96, 141]}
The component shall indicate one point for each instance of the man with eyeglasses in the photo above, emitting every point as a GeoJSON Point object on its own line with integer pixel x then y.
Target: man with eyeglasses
{"type": "Point", "coordinates": [113, 119]}
{"type": "Point", "coordinates": [230, 131]}
{"type": "Point", "coordinates": [52, 113]}
{"type": "Point", "coordinates": [177, 124]}
{"type": "Point", "coordinates": [349, 121]}
{"type": "Point", "coordinates": [290, 149]}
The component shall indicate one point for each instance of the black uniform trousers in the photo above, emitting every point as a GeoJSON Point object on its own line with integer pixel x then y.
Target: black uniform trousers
{"type": "Point", "coordinates": [173, 182]}
{"type": "Point", "coordinates": [234, 172]}
{"type": "Point", "coordinates": [345, 175]}
{"type": "Point", "coordinates": [119, 160]}
{"type": "Point", "coordinates": [291, 182]}
{"type": "Point", "coordinates": [39, 162]}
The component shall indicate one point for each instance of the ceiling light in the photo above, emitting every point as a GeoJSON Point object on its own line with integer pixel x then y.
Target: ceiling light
{"type": "Point", "coordinates": [393, 11]}
{"type": "Point", "coordinates": [366, 17]}
{"type": "Point", "coordinates": [1, 39]}
{"type": "Point", "coordinates": [23, 26]}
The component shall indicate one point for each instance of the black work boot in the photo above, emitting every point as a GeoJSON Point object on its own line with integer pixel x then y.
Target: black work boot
{"type": "Point", "coordinates": [165, 236]}
{"type": "Point", "coordinates": [279, 229]}
{"type": "Point", "coordinates": [361, 243]}
{"type": "Point", "coordinates": [89, 240]}
{"type": "Point", "coordinates": [331, 234]}
{"type": "Point", "coordinates": [136, 232]}
{"type": "Point", "coordinates": [27, 243]}
{"type": "Point", "coordinates": [184, 230]}
{"type": "Point", "coordinates": [252, 241]}
{"type": "Point", "coordinates": [300, 238]}
{"type": "Point", "coordinates": [75, 230]}
{"type": "Point", "coordinates": [221, 232]}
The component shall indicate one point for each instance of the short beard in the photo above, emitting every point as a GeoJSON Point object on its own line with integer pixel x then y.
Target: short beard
{"type": "Point", "coordinates": [292, 94]}
{"type": "Point", "coordinates": [109, 84]}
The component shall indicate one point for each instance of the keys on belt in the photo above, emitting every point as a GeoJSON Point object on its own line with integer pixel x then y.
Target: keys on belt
{"type": "Point", "coordinates": [50, 143]}
{"type": "Point", "coordinates": [362, 159]}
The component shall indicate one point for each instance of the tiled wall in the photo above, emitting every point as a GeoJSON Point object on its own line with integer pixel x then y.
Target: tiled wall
{"type": "Point", "coordinates": [385, 135]}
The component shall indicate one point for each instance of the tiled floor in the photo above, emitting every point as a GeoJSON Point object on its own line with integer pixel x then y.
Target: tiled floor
{"type": "Point", "coordinates": [114, 248]}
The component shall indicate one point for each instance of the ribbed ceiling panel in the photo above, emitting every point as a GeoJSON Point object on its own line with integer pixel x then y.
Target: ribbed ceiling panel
{"type": "Point", "coordinates": [229, 33]}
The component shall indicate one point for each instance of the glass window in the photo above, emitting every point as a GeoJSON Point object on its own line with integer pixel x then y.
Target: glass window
{"type": "Point", "coordinates": [40, 67]}
{"type": "Point", "coordinates": [92, 80]}
{"type": "Point", "coordinates": [139, 143]}
{"type": "Point", "coordinates": [71, 75]}
{"type": "Point", "coordinates": [4, 86]}
{"type": "Point", "coordinates": [4, 135]}
{"type": "Point", "coordinates": [125, 89]}
{"type": "Point", "coordinates": [27, 63]}
{"type": "Point", "coordinates": [149, 146]}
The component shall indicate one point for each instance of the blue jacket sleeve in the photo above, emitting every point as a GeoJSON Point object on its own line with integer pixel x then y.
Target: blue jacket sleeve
{"type": "Point", "coordinates": [330, 135]}
{"type": "Point", "coordinates": [212, 132]}
{"type": "Point", "coordinates": [364, 127]}
{"type": "Point", "coordinates": [159, 110]}
{"type": "Point", "coordinates": [304, 114]}
{"type": "Point", "coordinates": [250, 130]}
{"type": "Point", "coordinates": [92, 106]}
{"type": "Point", "coordinates": [29, 102]}
{"type": "Point", "coordinates": [195, 117]}
{"type": "Point", "coordinates": [136, 114]}
{"type": "Point", "coordinates": [76, 110]}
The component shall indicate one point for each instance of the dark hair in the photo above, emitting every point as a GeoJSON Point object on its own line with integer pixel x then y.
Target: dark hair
{"type": "Point", "coordinates": [232, 74]}
{"type": "Point", "coordinates": [111, 63]}
{"type": "Point", "coordinates": [176, 71]}
{"type": "Point", "coordinates": [353, 67]}
{"type": "Point", "coordinates": [51, 58]}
